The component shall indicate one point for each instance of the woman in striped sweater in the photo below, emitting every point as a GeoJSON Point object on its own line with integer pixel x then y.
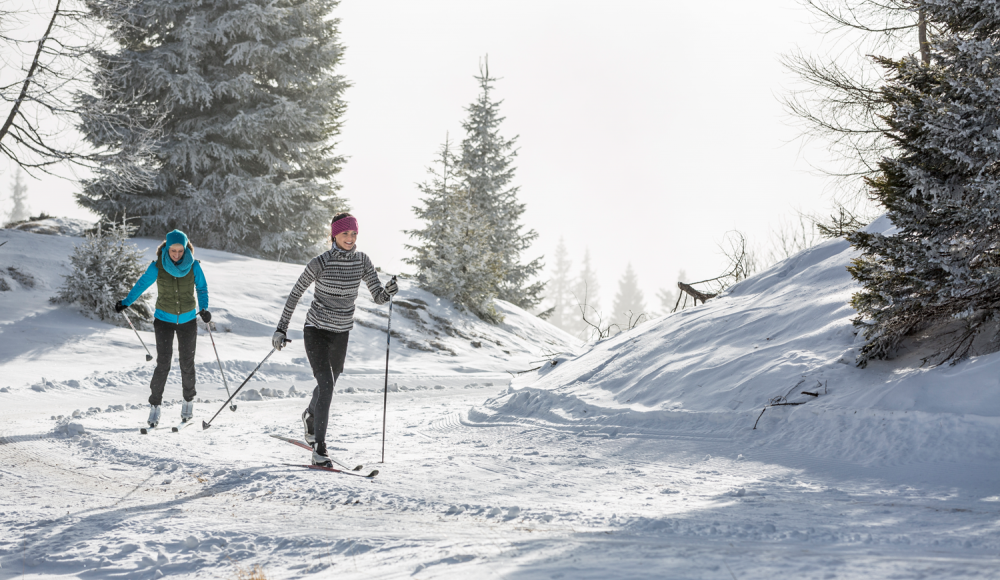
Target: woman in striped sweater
{"type": "Point", "coordinates": [337, 273]}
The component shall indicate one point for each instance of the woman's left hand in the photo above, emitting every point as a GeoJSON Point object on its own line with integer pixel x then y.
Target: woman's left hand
{"type": "Point", "coordinates": [391, 288]}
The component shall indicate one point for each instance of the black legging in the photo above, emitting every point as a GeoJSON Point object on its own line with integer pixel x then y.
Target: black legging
{"type": "Point", "coordinates": [326, 351]}
{"type": "Point", "coordinates": [187, 337]}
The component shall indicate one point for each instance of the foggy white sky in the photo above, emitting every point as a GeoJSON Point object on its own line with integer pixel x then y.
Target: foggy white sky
{"type": "Point", "coordinates": [647, 128]}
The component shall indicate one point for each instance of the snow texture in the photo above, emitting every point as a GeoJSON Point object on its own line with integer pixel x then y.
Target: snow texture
{"type": "Point", "coordinates": [636, 458]}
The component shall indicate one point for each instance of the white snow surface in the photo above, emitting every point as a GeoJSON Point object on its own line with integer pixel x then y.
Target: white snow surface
{"type": "Point", "coordinates": [634, 458]}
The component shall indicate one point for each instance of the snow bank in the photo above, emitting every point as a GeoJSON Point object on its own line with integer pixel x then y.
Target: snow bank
{"type": "Point", "coordinates": [54, 226]}
{"type": "Point", "coordinates": [786, 331]}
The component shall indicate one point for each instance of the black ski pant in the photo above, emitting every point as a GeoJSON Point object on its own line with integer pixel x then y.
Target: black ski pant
{"type": "Point", "coordinates": [326, 351]}
{"type": "Point", "coordinates": [187, 336]}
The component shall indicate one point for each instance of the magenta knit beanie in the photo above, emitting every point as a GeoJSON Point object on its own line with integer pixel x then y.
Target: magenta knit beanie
{"type": "Point", "coordinates": [343, 225]}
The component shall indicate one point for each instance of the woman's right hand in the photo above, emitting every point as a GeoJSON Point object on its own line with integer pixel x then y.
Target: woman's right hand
{"type": "Point", "coordinates": [278, 340]}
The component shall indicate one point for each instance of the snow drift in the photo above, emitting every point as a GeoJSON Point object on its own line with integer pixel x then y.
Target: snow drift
{"type": "Point", "coordinates": [775, 337]}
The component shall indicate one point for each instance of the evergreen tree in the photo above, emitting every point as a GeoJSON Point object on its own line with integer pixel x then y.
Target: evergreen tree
{"type": "Point", "coordinates": [19, 198]}
{"type": "Point", "coordinates": [486, 170]}
{"type": "Point", "coordinates": [941, 189]}
{"type": "Point", "coordinates": [559, 291]}
{"type": "Point", "coordinates": [455, 257]}
{"type": "Point", "coordinates": [105, 267]}
{"type": "Point", "coordinates": [245, 95]}
{"type": "Point", "coordinates": [469, 249]}
{"type": "Point", "coordinates": [629, 302]}
{"type": "Point", "coordinates": [586, 298]}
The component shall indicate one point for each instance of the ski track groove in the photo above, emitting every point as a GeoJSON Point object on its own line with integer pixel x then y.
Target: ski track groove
{"type": "Point", "coordinates": [555, 469]}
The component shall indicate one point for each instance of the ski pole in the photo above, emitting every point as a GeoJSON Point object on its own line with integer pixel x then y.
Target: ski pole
{"type": "Point", "coordinates": [208, 325]}
{"type": "Point", "coordinates": [207, 424]}
{"type": "Point", "coordinates": [149, 357]}
{"type": "Point", "coordinates": [385, 398]}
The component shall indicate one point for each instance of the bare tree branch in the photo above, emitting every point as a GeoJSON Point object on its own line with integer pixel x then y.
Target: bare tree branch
{"type": "Point", "coordinates": [49, 97]}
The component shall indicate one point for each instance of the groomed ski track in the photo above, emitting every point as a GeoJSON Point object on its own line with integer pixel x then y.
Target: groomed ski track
{"type": "Point", "coordinates": [460, 498]}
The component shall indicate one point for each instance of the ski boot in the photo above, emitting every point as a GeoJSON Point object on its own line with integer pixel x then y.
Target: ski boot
{"type": "Point", "coordinates": [307, 425]}
{"type": "Point", "coordinates": [187, 411]}
{"type": "Point", "coordinates": [320, 458]}
{"type": "Point", "coordinates": [154, 416]}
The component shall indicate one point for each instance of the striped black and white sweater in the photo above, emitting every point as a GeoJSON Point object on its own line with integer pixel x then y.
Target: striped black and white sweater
{"type": "Point", "coordinates": [338, 275]}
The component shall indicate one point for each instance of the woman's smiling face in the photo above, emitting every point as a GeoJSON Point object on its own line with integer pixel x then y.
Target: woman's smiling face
{"type": "Point", "coordinates": [346, 240]}
{"type": "Point", "coordinates": [176, 252]}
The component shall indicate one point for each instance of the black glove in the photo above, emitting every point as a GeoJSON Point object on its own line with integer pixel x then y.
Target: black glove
{"type": "Point", "coordinates": [391, 288]}
{"type": "Point", "coordinates": [119, 307]}
{"type": "Point", "coordinates": [206, 316]}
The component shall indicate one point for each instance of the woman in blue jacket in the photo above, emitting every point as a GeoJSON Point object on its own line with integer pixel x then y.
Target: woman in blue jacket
{"type": "Point", "coordinates": [178, 277]}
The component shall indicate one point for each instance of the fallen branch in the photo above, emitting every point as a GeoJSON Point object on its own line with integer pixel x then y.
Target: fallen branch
{"type": "Point", "coordinates": [774, 405]}
{"type": "Point", "coordinates": [781, 401]}
{"type": "Point", "coordinates": [514, 374]}
{"type": "Point", "coordinates": [688, 289]}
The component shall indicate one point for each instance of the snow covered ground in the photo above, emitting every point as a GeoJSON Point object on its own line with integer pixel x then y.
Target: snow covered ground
{"type": "Point", "coordinates": [636, 458]}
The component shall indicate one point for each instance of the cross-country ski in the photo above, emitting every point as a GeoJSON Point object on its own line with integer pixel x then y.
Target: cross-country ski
{"type": "Point", "coordinates": [370, 475]}
{"type": "Point", "coordinates": [308, 447]}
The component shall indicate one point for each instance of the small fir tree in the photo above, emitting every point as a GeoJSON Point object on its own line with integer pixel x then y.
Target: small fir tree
{"type": "Point", "coordinates": [667, 298]}
{"type": "Point", "coordinates": [105, 267]}
{"type": "Point", "coordinates": [559, 290]}
{"type": "Point", "coordinates": [941, 189]}
{"type": "Point", "coordinates": [470, 247]}
{"type": "Point", "coordinates": [629, 303]}
{"type": "Point", "coordinates": [586, 298]}
{"type": "Point", "coordinates": [18, 198]}
{"type": "Point", "coordinates": [455, 258]}
{"type": "Point", "coordinates": [246, 98]}
{"type": "Point", "coordinates": [486, 169]}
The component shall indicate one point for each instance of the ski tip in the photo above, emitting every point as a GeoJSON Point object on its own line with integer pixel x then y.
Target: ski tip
{"type": "Point", "coordinates": [143, 431]}
{"type": "Point", "coordinates": [205, 425]}
{"type": "Point", "coordinates": [372, 474]}
{"type": "Point", "coordinates": [358, 468]}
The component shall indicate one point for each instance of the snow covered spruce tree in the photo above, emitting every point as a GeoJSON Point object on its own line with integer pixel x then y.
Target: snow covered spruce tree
{"type": "Point", "coordinates": [630, 305]}
{"type": "Point", "coordinates": [586, 298]}
{"type": "Point", "coordinates": [18, 198]}
{"type": "Point", "coordinates": [470, 248]}
{"type": "Point", "coordinates": [245, 95]}
{"type": "Point", "coordinates": [941, 189]}
{"type": "Point", "coordinates": [454, 258]}
{"type": "Point", "coordinates": [559, 292]}
{"type": "Point", "coordinates": [486, 169]}
{"type": "Point", "coordinates": [105, 267]}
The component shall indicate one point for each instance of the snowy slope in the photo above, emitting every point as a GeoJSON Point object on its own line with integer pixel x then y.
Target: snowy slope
{"type": "Point", "coordinates": [636, 458]}
{"type": "Point", "coordinates": [246, 297]}
{"type": "Point", "coordinates": [714, 368]}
